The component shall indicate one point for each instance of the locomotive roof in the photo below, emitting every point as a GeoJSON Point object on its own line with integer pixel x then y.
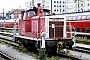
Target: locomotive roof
{"type": "Point", "coordinates": [46, 10]}
{"type": "Point", "coordinates": [34, 8]}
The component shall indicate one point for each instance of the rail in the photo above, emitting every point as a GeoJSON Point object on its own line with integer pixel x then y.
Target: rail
{"type": "Point", "coordinates": [77, 54]}
{"type": "Point", "coordinates": [6, 56]}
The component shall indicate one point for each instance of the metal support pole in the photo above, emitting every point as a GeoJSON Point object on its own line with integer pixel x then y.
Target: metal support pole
{"type": "Point", "coordinates": [14, 31]}
{"type": "Point", "coordinates": [74, 41]}
{"type": "Point", "coordinates": [42, 51]}
{"type": "Point", "coordinates": [3, 13]}
{"type": "Point", "coordinates": [43, 39]}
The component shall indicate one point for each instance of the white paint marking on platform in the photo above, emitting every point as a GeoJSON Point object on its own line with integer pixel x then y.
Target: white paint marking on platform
{"type": "Point", "coordinates": [83, 45]}
{"type": "Point", "coordinates": [79, 55]}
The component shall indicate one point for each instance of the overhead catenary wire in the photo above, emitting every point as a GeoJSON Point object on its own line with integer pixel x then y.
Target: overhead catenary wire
{"type": "Point", "coordinates": [7, 2]}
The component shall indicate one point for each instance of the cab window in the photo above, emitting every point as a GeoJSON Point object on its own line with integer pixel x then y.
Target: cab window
{"type": "Point", "coordinates": [23, 14]}
{"type": "Point", "coordinates": [83, 29]}
{"type": "Point", "coordinates": [31, 13]}
{"type": "Point", "coordinates": [45, 13]}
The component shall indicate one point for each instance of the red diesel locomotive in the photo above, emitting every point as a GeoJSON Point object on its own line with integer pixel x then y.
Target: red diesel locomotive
{"type": "Point", "coordinates": [34, 22]}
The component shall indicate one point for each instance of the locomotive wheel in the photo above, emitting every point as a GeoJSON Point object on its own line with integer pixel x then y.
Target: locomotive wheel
{"type": "Point", "coordinates": [51, 46]}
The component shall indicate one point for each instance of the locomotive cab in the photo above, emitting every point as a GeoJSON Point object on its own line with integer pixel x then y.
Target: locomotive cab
{"type": "Point", "coordinates": [39, 11]}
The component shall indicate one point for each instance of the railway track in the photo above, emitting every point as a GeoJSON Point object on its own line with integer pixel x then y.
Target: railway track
{"type": "Point", "coordinates": [9, 53]}
{"type": "Point", "coordinates": [7, 38]}
{"type": "Point", "coordinates": [78, 53]}
{"type": "Point", "coordinates": [82, 49]}
{"type": "Point", "coordinates": [6, 56]}
{"type": "Point", "coordinates": [83, 42]}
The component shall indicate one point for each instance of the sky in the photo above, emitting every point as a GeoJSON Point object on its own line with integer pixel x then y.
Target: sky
{"type": "Point", "coordinates": [8, 5]}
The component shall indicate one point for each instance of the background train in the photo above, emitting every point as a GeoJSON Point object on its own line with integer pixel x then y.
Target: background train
{"type": "Point", "coordinates": [9, 23]}
{"type": "Point", "coordinates": [80, 22]}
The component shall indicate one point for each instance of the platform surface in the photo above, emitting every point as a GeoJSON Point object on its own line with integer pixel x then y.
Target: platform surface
{"type": "Point", "coordinates": [16, 54]}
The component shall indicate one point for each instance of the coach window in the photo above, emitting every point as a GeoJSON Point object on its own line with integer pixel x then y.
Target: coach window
{"type": "Point", "coordinates": [78, 17]}
{"type": "Point", "coordinates": [74, 18]}
{"type": "Point", "coordinates": [87, 30]}
{"type": "Point", "coordinates": [78, 29]}
{"type": "Point", "coordinates": [73, 29]}
{"type": "Point", "coordinates": [83, 29]}
{"type": "Point", "coordinates": [88, 17]}
{"type": "Point", "coordinates": [68, 29]}
{"type": "Point", "coordinates": [83, 17]}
